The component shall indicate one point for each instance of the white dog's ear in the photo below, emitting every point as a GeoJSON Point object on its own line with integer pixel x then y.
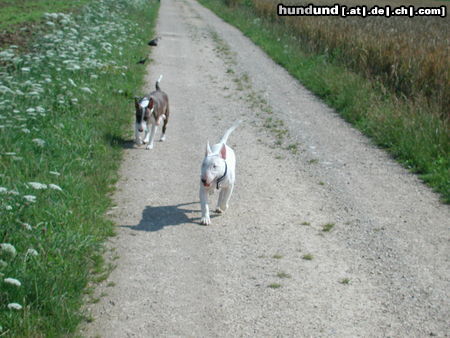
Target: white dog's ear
{"type": "Point", "coordinates": [223, 151]}
{"type": "Point", "coordinates": [208, 149]}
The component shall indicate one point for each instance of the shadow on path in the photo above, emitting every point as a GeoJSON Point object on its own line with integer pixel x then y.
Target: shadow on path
{"type": "Point", "coordinates": [156, 218]}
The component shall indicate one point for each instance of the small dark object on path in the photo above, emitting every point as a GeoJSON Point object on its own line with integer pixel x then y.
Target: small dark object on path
{"type": "Point", "coordinates": [142, 61]}
{"type": "Point", "coordinates": [154, 42]}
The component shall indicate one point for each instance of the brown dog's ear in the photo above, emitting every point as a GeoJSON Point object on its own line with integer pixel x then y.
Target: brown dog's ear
{"type": "Point", "coordinates": [136, 101]}
{"type": "Point", "coordinates": [223, 151]}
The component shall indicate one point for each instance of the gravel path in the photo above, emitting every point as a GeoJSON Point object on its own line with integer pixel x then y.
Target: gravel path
{"type": "Point", "coordinates": [382, 269]}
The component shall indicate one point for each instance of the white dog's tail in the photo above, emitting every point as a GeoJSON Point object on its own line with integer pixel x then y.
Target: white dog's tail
{"type": "Point", "coordinates": [158, 81]}
{"type": "Point", "coordinates": [229, 131]}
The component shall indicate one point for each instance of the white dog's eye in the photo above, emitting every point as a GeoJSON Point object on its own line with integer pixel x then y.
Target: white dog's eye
{"type": "Point", "coordinates": [214, 166]}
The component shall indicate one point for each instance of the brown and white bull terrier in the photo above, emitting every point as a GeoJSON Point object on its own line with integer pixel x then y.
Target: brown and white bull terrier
{"type": "Point", "coordinates": [151, 109]}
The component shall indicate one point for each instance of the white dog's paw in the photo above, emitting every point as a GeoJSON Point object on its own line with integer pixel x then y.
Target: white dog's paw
{"type": "Point", "coordinates": [163, 138]}
{"type": "Point", "coordinates": [138, 142]}
{"type": "Point", "coordinates": [150, 146]}
{"type": "Point", "coordinates": [205, 220]}
{"type": "Point", "coordinates": [223, 208]}
{"type": "Point", "coordinates": [219, 211]}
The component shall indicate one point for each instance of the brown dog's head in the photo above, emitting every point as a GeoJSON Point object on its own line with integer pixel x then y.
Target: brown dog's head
{"type": "Point", "coordinates": [144, 108]}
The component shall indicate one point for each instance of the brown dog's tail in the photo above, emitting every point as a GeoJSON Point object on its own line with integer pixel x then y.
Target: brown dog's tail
{"type": "Point", "coordinates": [157, 82]}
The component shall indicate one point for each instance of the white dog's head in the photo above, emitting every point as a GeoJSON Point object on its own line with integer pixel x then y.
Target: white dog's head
{"type": "Point", "coordinates": [213, 165]}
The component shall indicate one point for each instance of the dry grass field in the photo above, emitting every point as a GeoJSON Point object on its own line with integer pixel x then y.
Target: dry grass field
{"type": "Point", "coordinates": [409, 56]}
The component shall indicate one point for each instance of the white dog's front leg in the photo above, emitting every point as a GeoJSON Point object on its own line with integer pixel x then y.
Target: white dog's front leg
{"type": "Point", "coordinates": [223, 202]}
{"type": "Point", "coordinates": [152, 136]}
{"type": "Point", "coordinates": [220, 201]}
{"type": "Point", "coordinates": [204, 204]}
{"type": "Point", "coordinates": [137, 135]}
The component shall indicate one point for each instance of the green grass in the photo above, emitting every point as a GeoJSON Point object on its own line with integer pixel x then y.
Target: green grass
{"type": "Point", "coordinates": [283, 275]}
{"type": "Point", "coordinates": [308, 257]}
{"type": "Point", "coordinates": [345, 281]}
{"type": "Point", "coordinates": [15, 12]}
{"type": "Point", "coordinates": [327, 227]}
{"type": "Point", "coordinates": [274, 286]}
{"type": "Point", "coordinates": [77, 119]}
{"type": "Point", "coordinates": [413, 131]}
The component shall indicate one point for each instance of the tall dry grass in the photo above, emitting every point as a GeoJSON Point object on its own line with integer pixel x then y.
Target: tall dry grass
{"type": "Point", "coordinates": [409, 56]}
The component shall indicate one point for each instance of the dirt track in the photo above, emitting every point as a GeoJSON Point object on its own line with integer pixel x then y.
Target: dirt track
{"type": "Point", "coordinates": [177, 278]}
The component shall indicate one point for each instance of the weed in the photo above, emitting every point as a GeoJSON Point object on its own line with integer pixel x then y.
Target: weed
{"type": "Point", "coordinates": [274, 286]}
{"type": "Point", "coordinates": [345, 281]}
{"type": "Point", "coordinates": [283, 275]}
{"type": "Point", "coordinates": [327, 227]}
{"type": "Point", "coordinates": [308, 257]}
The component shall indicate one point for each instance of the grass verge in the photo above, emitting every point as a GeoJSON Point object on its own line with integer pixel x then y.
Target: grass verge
{"type": "Point", "coordinates": [13, 12]}
{"type": "Point", "coordinates": [63, 110]}
{"type": "Point", "coordinates": [416, 133]}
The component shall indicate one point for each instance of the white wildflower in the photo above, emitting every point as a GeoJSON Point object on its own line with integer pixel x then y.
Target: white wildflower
{"type": "Point", "coordinates": [9, 248]}
{"type": "Point", "coordinates": [8, 207]}
{"type": "Point", "coordinates": [39, 142]}
{"type": "Point", "coordinates": [4, 89]}
{"type": "Point", "coordinates": [12, 281]}
{"type": "Point", "coordinates": [54, 173]}
{"type": "Point", "coordinates": [13, 192]}
{"type": "Point", "coordinates": [26, 130]}
{"type": "Point", "coordinates": [26, 69]}
{"type": "Point", "coordinates": [87, 90]}
{"type": "Point", "coordinates": [27, 226]}
{"type": "Point", "coordinates": [37, 185]}
{"type": "Point", "coordinates": [30, 110]}
{"type": "Point", "coordinates": [32, 252]}
{"type": "Point", "coordinates": [40, 109]}
{"type": "Point", "coordinates": [30, 198]}
{"type": "Point", "coordinates": [54, 187]}
{"type": "Point", "coordinates": [9, 153]}
{"type": "Point", "coordinates": [50, 23]}
{"type": "Point", "coordinates": [73, 67]}
{"type": "Point", "coordinates": [72, 82]}
{"type": "Point", "coordinates": [14, 306]}
{"type": "Point", "coordinates": [94, 76]}
{"type": "Point", "coordinates": [3, 264]}
{"type": "Point", "coordinates": [3, 190]}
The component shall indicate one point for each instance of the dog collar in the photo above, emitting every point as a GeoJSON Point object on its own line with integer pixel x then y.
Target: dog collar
{"type": "Point", "coordinates": [223, 176]}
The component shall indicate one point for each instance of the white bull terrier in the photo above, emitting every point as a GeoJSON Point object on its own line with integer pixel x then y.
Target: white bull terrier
{"type": "Point", "coordinates": [218, 172]}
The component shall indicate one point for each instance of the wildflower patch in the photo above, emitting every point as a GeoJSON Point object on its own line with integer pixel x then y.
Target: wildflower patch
{"type": "Point", "coordinates": [64, 106]}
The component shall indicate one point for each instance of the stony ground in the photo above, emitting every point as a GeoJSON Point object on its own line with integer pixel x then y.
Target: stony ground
{"type": "Point", "coordinates": [266, 268]}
